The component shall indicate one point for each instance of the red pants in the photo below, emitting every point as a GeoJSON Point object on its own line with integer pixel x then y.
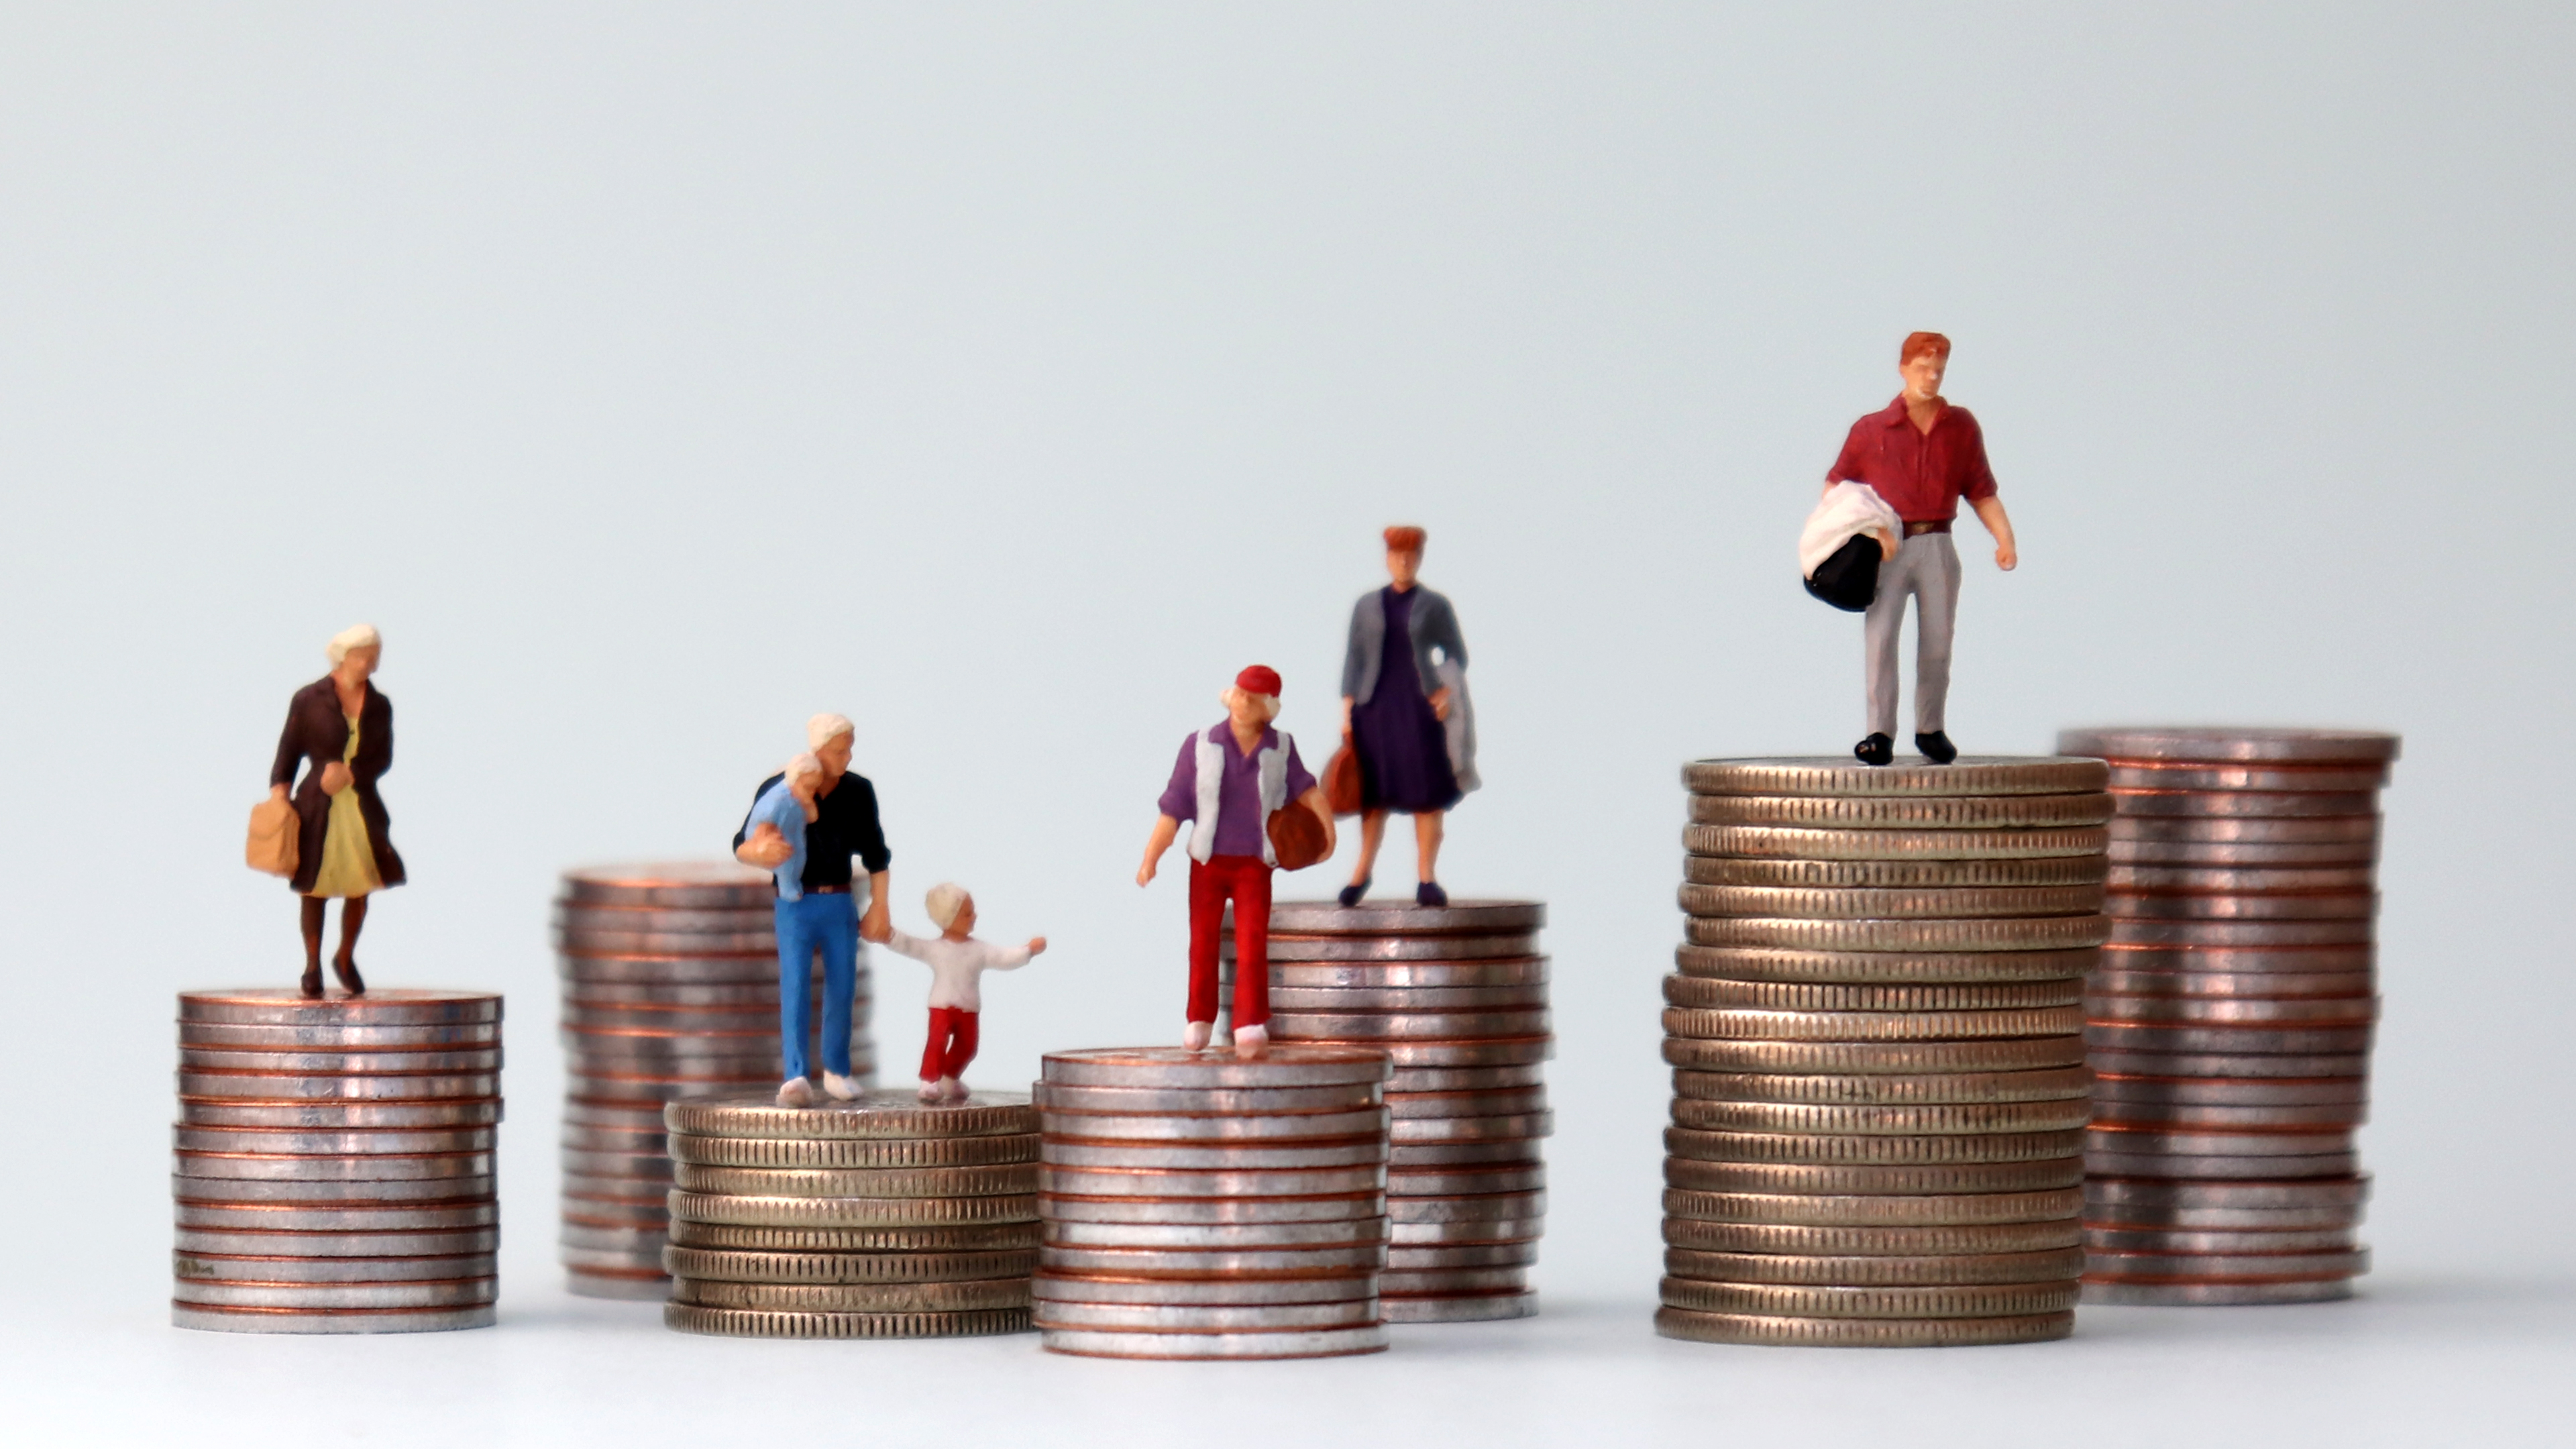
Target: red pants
{"type": "Point", "coordinates": [1245, 880]}
{"type": "Point", "coordinates": [952, 1043]}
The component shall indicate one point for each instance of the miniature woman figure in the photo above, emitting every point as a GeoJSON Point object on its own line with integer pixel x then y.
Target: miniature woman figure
{"type": "Point", "coordinates": [344, 845]}
{"type": "Point", "coordinates": [1230, 779]}
{"type": "Point", "coordinates": [1406, 715]}
{"type": "Point", "coordinates": [957, 962]}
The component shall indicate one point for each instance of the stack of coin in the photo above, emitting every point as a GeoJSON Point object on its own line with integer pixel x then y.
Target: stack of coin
{"type": "Point", "coordinates": [1879, 1085]}
{"type": "Point", "coordinates": [1200, 1207]}
{"type": "Point", "coordinates": [1457, 996]}
{"type": "Point", "coordinates": [333, 1171]}
{"type": "Point", "coordinates": [2230, 1021]}
{"type": "Point", "coordinates": [878, 1218]}
{"type": "Point", "coordinates": [670, 992]}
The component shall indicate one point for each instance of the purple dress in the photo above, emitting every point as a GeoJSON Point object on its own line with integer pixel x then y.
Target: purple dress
{"type": "Point", "coordinates": [1403, 747]}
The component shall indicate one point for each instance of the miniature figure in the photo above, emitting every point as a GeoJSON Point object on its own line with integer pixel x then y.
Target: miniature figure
{"type": "Point", "coordinates": [344, 843]}
{"type": "Point", "coordinates": [1230, 780]}
{"type": "Point", "coordinates": [1921, 455]}
{"type": "Point", "coordinates": [1405, 715]}
{"type": "Point", "coordinates": [957, 961]}
{"type": "Point", "coordinates": [814, 909]}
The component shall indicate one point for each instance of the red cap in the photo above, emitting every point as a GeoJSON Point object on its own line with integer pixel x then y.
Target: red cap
{"type": "Point", "coordinates": [1259, 679]}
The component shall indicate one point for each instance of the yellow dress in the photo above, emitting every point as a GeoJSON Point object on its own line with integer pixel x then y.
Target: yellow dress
{"type": "Point", "coordinates": [348, 857]}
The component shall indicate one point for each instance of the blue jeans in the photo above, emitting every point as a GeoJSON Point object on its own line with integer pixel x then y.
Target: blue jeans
{"type": "Point", "coordinates": [831, 923]}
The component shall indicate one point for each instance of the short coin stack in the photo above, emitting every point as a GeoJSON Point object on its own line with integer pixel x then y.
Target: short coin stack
{"type": "Point", "coordinates": [333, 1171]}
{"type": "Point", "coordinates": [670, 992]}
{"type": "Point", "coordinates": [1200, 1207]}
{"type": "Point", "coordinates": [2231, 1019]}
{"type": "Point", "coordinates": [878, 1218]}
{"type": "Point", "coordinates": [1456, 995]}
{"type": "Point", "coordinates": [1879, 1086]}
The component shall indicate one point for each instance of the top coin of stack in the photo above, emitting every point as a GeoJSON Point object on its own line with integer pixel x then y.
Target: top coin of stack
{"type": "Point", "coordinates": [2231, 1019]}
{"type": "Point", "coordinates": [1456, 995]}
{"type": "Point", "coordinates": [670, 992]}
{"type": "Point", "coordinates": [1879, 1094]}
{"type": "Point", "coordinates": [333, 1163]}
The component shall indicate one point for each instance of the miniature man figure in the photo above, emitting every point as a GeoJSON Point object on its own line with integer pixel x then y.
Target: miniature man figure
{"type": "Point", "coordinates": [1406, 716]}
{"type": "Point", "coordinates": [1230, 779]}
{"type": "Point", "coordinates": [1921, 455]}
{"type": "Point", "coordinates": [344, 727]}
{"type": "Point", "coordinates": [820, 915]}
{"type": "Point", "coordinates": [957, 962]}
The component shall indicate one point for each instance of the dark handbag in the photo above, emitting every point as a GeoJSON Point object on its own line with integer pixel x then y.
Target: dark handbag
{"type": "Point", "coordinates": [1296, 837]}
{"type": "Point", "coordinates": [1849, 579]}
{"type": "Point", "coordinates": [1342, 779]}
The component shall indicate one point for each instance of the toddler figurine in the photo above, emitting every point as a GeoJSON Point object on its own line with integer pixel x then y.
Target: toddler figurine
{"type": "Point", "coordinates": [956, 959]}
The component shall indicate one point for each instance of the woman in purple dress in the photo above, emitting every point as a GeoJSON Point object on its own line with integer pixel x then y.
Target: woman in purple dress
{"type": "Point", "coordinates": [1406, 714]}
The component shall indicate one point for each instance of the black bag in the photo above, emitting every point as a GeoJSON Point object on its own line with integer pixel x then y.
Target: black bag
{"type": "Point", "coordinates": [1849, 579]}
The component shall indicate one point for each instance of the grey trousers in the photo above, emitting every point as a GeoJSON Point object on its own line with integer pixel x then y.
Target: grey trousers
{"type": "Point", "coordinates": [1926, 566]}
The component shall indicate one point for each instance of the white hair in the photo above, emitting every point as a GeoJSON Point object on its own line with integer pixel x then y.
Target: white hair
{"type": "Point", "coordinates": [822, 729]}
{"type": "Point", "coordinates": [802, 765]}
{"type": "Point", "coordinates": [945, 900]}
{"type": "Point", "coordinates": [356, 636]}
{"type": "Point", "coordinates": [1269, 702]}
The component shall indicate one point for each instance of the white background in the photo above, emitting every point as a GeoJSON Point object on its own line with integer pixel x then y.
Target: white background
{"type": "Point", "coordinates": [1007, 377]}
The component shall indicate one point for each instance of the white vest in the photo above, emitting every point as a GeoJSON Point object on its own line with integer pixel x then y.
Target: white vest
{"type": "Point", "coordinates": [1271, 760]}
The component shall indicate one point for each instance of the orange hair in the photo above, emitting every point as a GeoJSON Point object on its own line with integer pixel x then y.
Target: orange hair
{"type": "Point", "coordinates": [1404, 538]}
{"type": "Point", "coordinates": [1918, 343]}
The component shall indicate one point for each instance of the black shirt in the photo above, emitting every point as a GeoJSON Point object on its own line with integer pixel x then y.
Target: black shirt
{"type": "Point", "coordinates": [844, 824]}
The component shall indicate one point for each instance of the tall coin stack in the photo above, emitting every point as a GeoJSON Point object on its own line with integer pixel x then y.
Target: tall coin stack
{"type": "Point", "coordinates": [2231, 1018]}
{"type": "Point", "coordinates": [670, 992]}
{"type": "Point", "coordinates": [879, 1218]}
{"type": "Point", "coordinates": [333, 1164]}
{"type": "Point", "coordinates": [1879, 1092]}
{"type": "Point", "coordinates": [1456, 995]}
{"type": "Point", "coordinates": [1200, 1207]}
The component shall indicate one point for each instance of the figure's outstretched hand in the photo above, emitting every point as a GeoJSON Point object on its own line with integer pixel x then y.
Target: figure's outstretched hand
{"type": "Point", "coordinates": [1037, 945]}
{"type": "Point", "coordinates": [2006, 555]}
{"type": "Point", "coordinates": [876, 927]}
{"type": "Point", "coordinates": [1145, 872]}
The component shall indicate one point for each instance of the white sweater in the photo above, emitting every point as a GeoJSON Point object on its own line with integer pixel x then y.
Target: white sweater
{"type": "Point", "coordinates": [955, 966]}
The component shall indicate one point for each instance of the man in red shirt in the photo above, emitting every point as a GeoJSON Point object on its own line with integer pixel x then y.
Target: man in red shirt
{"type": "Point", "coordinates": [1922, 456]}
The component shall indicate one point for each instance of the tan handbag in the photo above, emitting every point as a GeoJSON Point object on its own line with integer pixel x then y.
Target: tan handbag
{"type": "Point", "coordinates": [1342, 780]}
{"type": "Point", "coordinates": [274, 828]}
{"type": "Point", "coordinates": [1296, 836]}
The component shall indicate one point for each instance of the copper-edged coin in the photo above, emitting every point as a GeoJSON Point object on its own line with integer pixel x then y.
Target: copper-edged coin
{"type": "Point", "coordinates": [1843, 1180]}
{"type": "Point", "coordinates": [1798, 842]}
{"type": "Point", "coordinates": [383, 1006]}
{"type": "Point", "coordinates": [1754, 1328]}
{"type": "Point", "coordinates": [1840, 777]}
{"type": "Point", "coordinates": [1720, 993]}
{"type": "Point", "coordinates": [1888, 1089]}
{"type": "Point", "coordinates": [1874, 1209]}
{"type": "Point", "coordinates": [1724, 870]}
{"type": "Point", "coordinates": [1888, 968]}
{"type": "Point", "coordinates": [1396, 918]}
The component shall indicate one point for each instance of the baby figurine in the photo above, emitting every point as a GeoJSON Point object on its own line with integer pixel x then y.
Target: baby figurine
{"type": "Point", "coordinates": [956, 959]}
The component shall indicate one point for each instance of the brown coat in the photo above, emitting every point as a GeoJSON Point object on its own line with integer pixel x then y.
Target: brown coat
{"type": "Point", "coordinates": [318, 732]}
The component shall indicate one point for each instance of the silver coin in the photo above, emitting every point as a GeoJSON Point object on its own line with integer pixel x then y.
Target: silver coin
{"type": "Point", "coordinates": [2220, 880]}
{"type": "Point", "coordinates": [591, 1192]}
{"type": "Point", "coordinates": [1406, 1025]}
{"type": "Point", "coordinates": [1845, 1179]}
{"type": "Point", "coordinates": [1453, 1280]}
{"type": "Point", "coordinates": [652, 1141]}
{"type": "Point", "coordinates": [675, 1020]}
{"type": "Point", "coordinates": [1466, 1255]}
{"type": "Point", "coordinates": [1470, 1232]}
{"type": "Point", "coordinates": [2182, 1117]}
{"type": "Point", "coordinates": [344, 1063]}
{"type": "Point", "coordinates": [1404, 1056]}
{"type": "Point", "coordinates": [1463, 1079]}
{"type": "Point", "coordinates": [1294, 1343]}
{"type": "Point", "coordinates": [953, 1238]}
{"type": "Point", "coordinates": [2057, 1265]}
{"type": "Point", "coordinates": [2134, 1140]}
{"type": "Point", "coordinates": [1480, 1181]}
{"type": "Point", "coordinates": [1174, 1182]}
{"type": "Point", "coordinates": [1502, 1127]}
{"type": "Point", "coordinates": [1848, 903]}
{"type": "Point", "coordinates": [2046, 1115]}
{"type": "Point", "coordinates": [1708, 992]}
{"type": "Point", "coordinates": [2227, 1039]}
{"type": "Point", "coordinates": [1300, 1000]}
{"type": "Point", "coordinates": [633, 1287]}
{"type": "Point", "coordinates": [573, 941]}
{"type": "Point", "coordinates": [2108, 1216]}
{"type": "Point", "coordinates": [2243, 804]}
{"type": "Point", "coordinates": [1790, 842]}
{"type": "Point", "coordinates": [384, 1006]}
{"type": "Point", "coordinates": [2310, 1011]}
{"type": "Point", "coordinates": [1831, 1301]}
{"type": "Point", "coordinates": [698, 883]}
{"type": "Point", "coordinates": [657, 1043]}
{"type": "Point", "coordinates": [2267, 1092]}
{"type": "Point", "coordinates": [580, 915]}
{"type": "Point", "coordinates": [1753, 1328]}
{"type": "Point", "coordinates": [1496, 974]}
{"type": "Point", "coordinates": [2358, 827]}
{"type": "Point", "coordinates": [343, 1297]}
{"type": "Point", "coordinates": [243, 1189]}
{"type": "Point", "coordinates": [2213, 1295]}
{"type": "Point", "coordinates": [583, 971]}
{"type": "Point", "coordinates": [1052, 1288]}
{"type": "Point", "coordinates": [1863, 1058]}
{"type": "Point", "coordinates": [1220, 1237]}
{"type": "Point", "coordinates": [1389, 950]}
{"type": "Point", "coordinates": [1837, 776]}
{"type": "Point", "coordinates": [2179, 775]}
{"type": "Point", "coordinates": [639, 1241]}
{"type": "Point", "coordinates": [234, 1268]}
{"type": "Point", "coordinates": [2070, 870]}
{"type": "Point", "coordinates": [1207, 1263]}
{"type": "Point", "coordinates": [1462, 1154]}
{"type": "Point", "coordinates": [947, 1183]}
{"type": "Point", "coordinates": [245, 1243]}
{"type": "Point", "coordinates": [2038, 933]}
{"type": "Point", "coordinates": [2151, 1165]}
{"type": "Point", "coordinates": [1395, 918]}
{"type": "Point", "coordinates": [1869, 1026]}
{"type": "Point", "coordinates": [1907, 813]}
{"type": "Point", "coordinates": [795, 1323]}
{"type": "Point", "coordinates": [336, 1217]}
{"type": "Point", "coordinates": [371, 1167]}
{"type": "Point", "coordinates": [783, 1211]}
{"type": "Point", "coordinates": [883, 1152]}
{"type": "Point", "coordinates": [2219, 745]}
{"type": "Point", "coordinates": [1230, 1318]}
{"type": "Point", "coordinates": [1496, 1207]}
{"type": "Point", "coordinates": [2351, 906]}
{"type": "Point", "coordinates": [338, 1115]}
{"type": "Point", "coordinates": [1204, 1127]}
{"type": "Point", "coordinates": [1169, 1067]}
{"type": "Point", "coordinates": [1227, 1156]}
{"type": "Point", "coordinates": [301, 1087]}
{"type": "Point", "coordinates": [2117, 1266]}
{"type": "Point", "coordinates": [1255, 1102]}
{"type": "Point", "coordinates": [2243, 1065]}
{"type": "Point", "coordinates": [1460, 1308]}
{"type": "Point", "coordinates": [1910, 968]}
{"type": "Point", "coordinates": [1491, 1102]}
{"type": "Point", "coordinates": [950, 1297]}
{"type": "Point", "coordinates": [353, 1141]}
{"type": "Point", "coordinates": [706, 1265]}
{"type": "Point", "coordinates": [1875, 1209]}
{"type": "Point", "coordinates": [2153, 1240]}
{"type": "Point", "coordinates": [885, 1113]}
{"type": "Point", "coordinates": [381, 1320]}
{"type": "Point", "coordinates": [754, 996]}
{"type": "Point", "coordinates": [1885, 1090]}
{"type": "Point", "coordinates": [2126, 931]}
{"type": "Point", "coordinates": [634, 1166]}
{"type": "Point", "coordinates": [2359, 853]}
{"type": "Point", "coordinates": [2272, 984]}
{"type": "Point", "coordinates": [1312, 1208]}
{"type": "Point", "coordinates": [446, 1036]}
{"type": "Point", "coordinates": [640, 1089]}
{"type": "Point", "coordinates": [1972, 1239]}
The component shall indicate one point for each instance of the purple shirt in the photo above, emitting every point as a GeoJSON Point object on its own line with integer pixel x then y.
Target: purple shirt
{"type": "Point", "coordinates": [1238, 799]}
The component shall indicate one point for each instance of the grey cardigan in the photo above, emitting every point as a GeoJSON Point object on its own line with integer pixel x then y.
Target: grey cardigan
{"type": "Point", "coordinates": [1434, 625]}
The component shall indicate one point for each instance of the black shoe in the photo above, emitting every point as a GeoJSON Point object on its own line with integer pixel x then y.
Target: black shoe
{"type": "Point", "coordinates": [1351, 894]}
{"type": "Point", "coordinates": [347, 971]}
{"type": "Point", "coordinates": [1878, 749]}
{"type": "Point", "coordinates": [312, 982]}
{"type": "Point", "coordinates": [1429, 893]}
{"type": "Point", "coordinates": [1936, 747]}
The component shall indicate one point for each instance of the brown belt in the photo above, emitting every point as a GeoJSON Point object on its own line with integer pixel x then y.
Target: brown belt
{"type": "Point", "coordinates": [1915, 526]}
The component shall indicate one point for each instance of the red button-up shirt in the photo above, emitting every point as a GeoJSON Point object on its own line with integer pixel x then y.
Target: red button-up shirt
{"type": "Point", "coordinates": [1921, 475]}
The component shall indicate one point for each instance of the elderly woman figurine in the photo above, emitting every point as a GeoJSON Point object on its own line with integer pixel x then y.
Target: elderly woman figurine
{"type": "Point", "coordinates": [1230, 779]}
{"type": "Point", "coordinates": [345, 729]}
{"type": "Point", "coordinates": [1406, 714]}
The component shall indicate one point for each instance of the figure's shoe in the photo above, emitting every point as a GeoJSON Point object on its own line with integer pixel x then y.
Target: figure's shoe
{"type": "Point", "coordinates": [842, 1088]}
{"type": "Point", "coordinates": [1936, 747]}
{"type": "Point", "coordinates": [929, 1094]}
{"type": "Point", "coordinates": [1196, 1038]}
{"type": "Point", "coordinates": [1351, 893]}
{"type": "Point", "coordinates": [1251, 1043]}
{"type": "Point", "coordinates": [1429, 893]}
{"type": "Point", "coordinates": [952, 1089]}
{"type": "Point", "coordinates": [347, 971]}
{"type": "Point", "coordinates": [312, 982]}
{"type": "Point", "coordinates": [796, 1092]}
{"type": "Point", "coordinates": [1878, 749]}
